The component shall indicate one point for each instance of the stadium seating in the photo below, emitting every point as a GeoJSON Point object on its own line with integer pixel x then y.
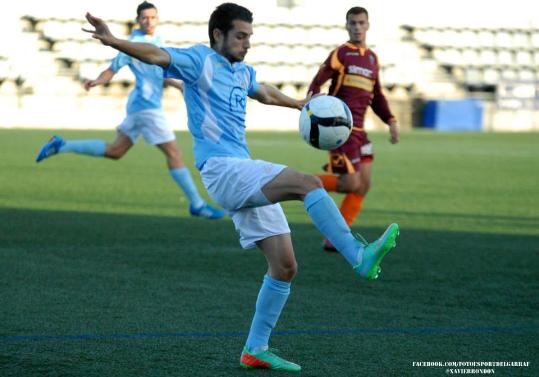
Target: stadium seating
{"type": "Point", "coordinates": [478, 58]}
{"type": "Point", "coordinates": [50, 54]}
{"type": "Point", "coordinates": [283, 53]}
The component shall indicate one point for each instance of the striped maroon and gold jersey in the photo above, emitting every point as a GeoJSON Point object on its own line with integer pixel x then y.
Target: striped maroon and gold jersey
{"type": "Point", "coordinates": [354, 74]}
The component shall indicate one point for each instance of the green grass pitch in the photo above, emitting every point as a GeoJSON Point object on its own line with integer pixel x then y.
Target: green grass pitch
{"type": "Point", "coordinates": [103, 273]}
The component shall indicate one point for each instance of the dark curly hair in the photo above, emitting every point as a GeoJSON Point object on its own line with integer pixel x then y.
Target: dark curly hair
{"type": "Point", "coordinates": [223, 16]}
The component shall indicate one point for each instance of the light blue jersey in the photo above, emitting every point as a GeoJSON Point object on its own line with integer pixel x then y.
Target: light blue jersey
{"type": "Point", "coordinates": [148, 89]}
{"type": "Point", "coordinates": [215, 93]}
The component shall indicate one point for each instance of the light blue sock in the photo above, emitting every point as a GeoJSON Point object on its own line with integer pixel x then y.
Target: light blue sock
{"type": "Point", "coordinates": [183, 178]}
{"type": "Point", "coordinates": [269, 305]}
{"type": "Point", "coordinates": [331, 224]}
{"type": "Point", "coordinates": [88, 147]}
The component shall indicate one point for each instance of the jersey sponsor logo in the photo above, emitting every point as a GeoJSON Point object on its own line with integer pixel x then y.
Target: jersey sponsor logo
{"type": "Point", "coordinates": [236, 100]}
{"type": "Point", "coordinates": [360, 71]}
{"type": "Point", "coordinates": [359, 82]}
{"type": "Point", "coordinates": [352, 53]}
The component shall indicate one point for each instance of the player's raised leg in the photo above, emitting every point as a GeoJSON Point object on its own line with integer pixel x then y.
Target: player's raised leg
{"type": "Point", "coordinates": [50, 148]}
{"type": "Point", "coordinates": [96, 148]}
{"type": "Point", "coordinates": [58, 145]}
{"type": "Point", "coordinates": [364, 258]}
{"type": "Point", "coordinates": [182, 176]}
{"type": "Point", "coordinates": [351, 204]}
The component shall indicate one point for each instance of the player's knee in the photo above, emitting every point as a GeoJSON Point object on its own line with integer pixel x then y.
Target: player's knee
{"type": "Point", "coordinates": [115, 153]}
{"type": "Point", "coordinates": [349, 187]}
{"type": "Point", "coordinates": [348, 184]}
{"type": "Point", "coordinates": [176, 160]}
{"type": "Point", "coordinates": [288, 270]}
{"type": "Point", "coordinates": [173, 155]}
{"type": "Point", "coordinates": [311, 182]}
{"type": "Point", "coordinates": [363, 187]}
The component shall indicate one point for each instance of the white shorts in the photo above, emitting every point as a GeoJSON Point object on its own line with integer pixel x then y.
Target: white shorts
{"type": "Point", "coordinates": [236, 185]}
{"type": "Point", "coordinates": [151, 123]}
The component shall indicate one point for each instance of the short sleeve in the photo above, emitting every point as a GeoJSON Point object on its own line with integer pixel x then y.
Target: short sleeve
{"type": "Point", "coordinates": [185, 63]}
{"type": "Point", "coordinates": [119, 61]}
{"type": "Point", "coordinates": [253, 84]}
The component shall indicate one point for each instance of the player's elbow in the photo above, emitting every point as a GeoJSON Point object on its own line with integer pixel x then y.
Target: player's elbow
{"type": "Point", "coordinates": [267, 95]}
{"type": "Point", "coordinates": [268, 100]}
{"type": "Point", "coordinates": [156, 59]}
{"type": "Point", "coordinates": [264, 99]}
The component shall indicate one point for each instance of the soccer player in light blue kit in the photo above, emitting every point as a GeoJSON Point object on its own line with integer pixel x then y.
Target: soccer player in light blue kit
{"type": "Point", "coordinates": [144, 116]}
{"type": "Point", "coordinates": [217, 84]}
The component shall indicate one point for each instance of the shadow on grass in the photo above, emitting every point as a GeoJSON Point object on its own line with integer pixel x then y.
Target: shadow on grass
{"type": "Point", "coordinates": [128, 285]}
{"type": "Point", "coordinates": [529, 222]}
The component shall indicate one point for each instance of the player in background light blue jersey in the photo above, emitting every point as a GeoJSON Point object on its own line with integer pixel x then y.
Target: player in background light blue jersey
{"type": "Point", "coordinates": [144, 116]}
{"type": "Point", "coordinates": [217, 84]}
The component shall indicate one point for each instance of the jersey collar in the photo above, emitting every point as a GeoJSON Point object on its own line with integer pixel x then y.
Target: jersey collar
{"type": "Point", "coordinates": [362, 50]}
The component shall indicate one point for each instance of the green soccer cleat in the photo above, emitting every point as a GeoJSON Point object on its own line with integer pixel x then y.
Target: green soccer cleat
{"type": "Point", "coordinates": [374, 252]}
{"type": "Point", "coordinates": [266, 359]}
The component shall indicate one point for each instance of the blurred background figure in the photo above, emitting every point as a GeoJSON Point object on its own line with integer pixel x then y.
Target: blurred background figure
{"type": "Point", "coordinates": [353, 69]}
{"type": "Point", "coordinates": [145, 117]}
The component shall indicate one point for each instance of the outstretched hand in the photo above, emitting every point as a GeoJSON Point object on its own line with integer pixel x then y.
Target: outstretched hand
{"type": "Point", "coordinates": [88, 84]}
{"type": "Point", "coordinates": [302, 102]}
{"type": "Point", "coordinates": [310, 96]}
{"type": "Point", "coordinates": [101, 31]}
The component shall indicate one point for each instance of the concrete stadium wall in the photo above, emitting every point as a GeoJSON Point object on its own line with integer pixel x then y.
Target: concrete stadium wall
{"type": "Point", "coordinates": [107, 111]}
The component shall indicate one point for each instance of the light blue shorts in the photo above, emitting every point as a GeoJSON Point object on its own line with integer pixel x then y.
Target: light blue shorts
{"type": "Point", "coordinates": [236, 185]}
{"type": "Point", "coordinates": [151, 123]}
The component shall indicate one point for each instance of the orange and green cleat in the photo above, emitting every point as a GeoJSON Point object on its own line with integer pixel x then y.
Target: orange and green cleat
{"type": "Point", "coordinates": [374, 252]}
{"type": "Point", "coordinates": [268, 360]}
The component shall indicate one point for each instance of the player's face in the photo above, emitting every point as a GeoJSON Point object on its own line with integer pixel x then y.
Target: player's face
{"type": "Point", "coordinates": [357, 26]}
{"type": "Point", "coordinates": [235, 44]}
{"type": "Point", "coordinates": [147, 21]}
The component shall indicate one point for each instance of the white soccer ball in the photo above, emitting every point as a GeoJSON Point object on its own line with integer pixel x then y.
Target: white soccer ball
{"type": "Point", "coordinates": [325, 122]}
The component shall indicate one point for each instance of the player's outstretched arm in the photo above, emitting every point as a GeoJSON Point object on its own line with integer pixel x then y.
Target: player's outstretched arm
{"type": "Point", "coordinates": [103, 78]}
{"type": "Point", "coordinates": [270, 95]}
{"type": "Point", "coordinates": [145, 52]}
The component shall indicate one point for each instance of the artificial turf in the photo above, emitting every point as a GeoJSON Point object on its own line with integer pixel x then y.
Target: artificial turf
{"type": "Point", "coordinates": [104, 273]}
